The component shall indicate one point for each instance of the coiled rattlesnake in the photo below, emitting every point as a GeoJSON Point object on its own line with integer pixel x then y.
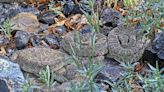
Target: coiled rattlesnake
{"type": "Point", "coordinates": [125, 45]}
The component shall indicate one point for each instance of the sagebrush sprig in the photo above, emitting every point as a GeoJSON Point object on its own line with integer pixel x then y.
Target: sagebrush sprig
{"type": "Point", "coordinates": [6, 28]}
{"type": "Point", "coordinates": [47, 76]}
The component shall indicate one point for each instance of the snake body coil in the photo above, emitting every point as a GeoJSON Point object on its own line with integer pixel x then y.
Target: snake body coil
{"type": "Point", "coordinates": [125, 45]}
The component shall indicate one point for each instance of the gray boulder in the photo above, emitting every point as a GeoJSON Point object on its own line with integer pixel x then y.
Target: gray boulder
{"type": "Point", "coordinates": [11, 76]}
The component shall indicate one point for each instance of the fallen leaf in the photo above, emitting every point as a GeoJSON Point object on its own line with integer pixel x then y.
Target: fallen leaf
{"type": "Point", "coordinates": [2, 51]}
{"type": "Point", "coordinates": [76, 22]}
{"type": "Point", "coordinates": [138, 67]}
{"type": "Point", "coordinates": [37, 1]}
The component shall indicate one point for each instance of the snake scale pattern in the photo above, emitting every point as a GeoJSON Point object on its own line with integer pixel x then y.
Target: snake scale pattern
{"type": "Point", "coordinates": [125, 45]}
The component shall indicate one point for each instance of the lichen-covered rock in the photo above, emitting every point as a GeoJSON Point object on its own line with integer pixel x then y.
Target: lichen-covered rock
{"type": "Point", "coordinates": [125, 45]}
{"type": "Point", "coordinates": [37, 58]}
{"type": "Point", "coordinates": [80, 44]}
{"type": "Point", "coordinates": [25, 22]}
{"type": "Point", "coordinates": [11, 74]}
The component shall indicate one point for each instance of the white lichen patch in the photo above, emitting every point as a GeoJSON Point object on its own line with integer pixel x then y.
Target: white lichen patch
{"type": "Point", "coordinates": [4, 65]}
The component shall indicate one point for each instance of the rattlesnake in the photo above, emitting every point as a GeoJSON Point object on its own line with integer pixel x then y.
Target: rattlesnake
{"type": "Point", "coordinates": [125, 45]}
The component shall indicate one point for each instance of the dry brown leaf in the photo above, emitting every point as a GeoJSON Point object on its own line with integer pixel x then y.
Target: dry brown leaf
{"type": "Point", "coordinates": [37, 1]}
{"type": "Point", "coordinates": [60, 21]}
{"type": "Point", "coordinates": [138, 67]}
{"type": "Point", "coordinates": [2, 51]}
{"type": "Point", "coordinates": [76, 22]}
{"type": "Point", "coordinates": [135, 86]}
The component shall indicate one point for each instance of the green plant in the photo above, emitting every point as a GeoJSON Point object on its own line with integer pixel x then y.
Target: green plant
{"type": "Point", "coordinates": [131, 3]}
{"type": "Point", "coordinates": [91, 15]}
{"type": "Point", "coordinates": [46, 76]}
{"type": "Point", "coordinates": [26, 86]}
{"type": "Point", "coordinates": [123, 83]}
{"type": "Point", "coordinates": [87, 85]}
{"type": "Point", "coordinates": [149, 15]}
{"type": "Point", "coordinates": [87, 72]}
{"type": "Point", "coordinates": [90, 71]}
{"type": "Point", "coordinates": [6, 28]}
{"type": "Point", "coordinates": [153, 82]}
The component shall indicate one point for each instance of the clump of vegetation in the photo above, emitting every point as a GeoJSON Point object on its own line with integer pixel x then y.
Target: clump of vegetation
{"type": "Point", "coordinates": [90, 71]}
{"type": "Point", "coordinates": [88, 84]}
{"type": "Point", "coordinates": [46, 76]}
{"type": "Point", "coordinates": [6, 28]}
{"type": "Point", "coordinates": [148, 15]}
{"type": "Point", "coordinates": [153, 82]}
{"type": "Point", "coordinates": [123, 84]}
{"type": "Point", "coordinates": [26, 86]}
{"type": "Point", "coordinates": [92, 17]}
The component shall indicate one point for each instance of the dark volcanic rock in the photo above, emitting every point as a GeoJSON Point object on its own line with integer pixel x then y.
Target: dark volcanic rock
{"type": "Point", "coordinates": [53, 40]}
{"type": "Point", "coordinates": [43, 7]}
{"type": "Point", "coordinates": [14, 11]}
{"type": "Point", "coordinates": [35, 41]}
{"type": "Point", "coordinates": [161, 54]}
{"type": "Point", "coordinates": [71, 8]}
{"type": "Point", "coordinates": [156, 51]}
{"type": "Point", "coordinates": [158, 45]}
{"type": "Point", "coordinates": [4, 86]}
{"type": "Point", "coordinates": [61, 30]}
{"type": "Point", "coordinates": [111, 71]}
{"type": "Point", "coordinates": [86, 29]}
{"type": "Point", "coordinates": [109, 19]}
{"type": "Point", "coordinates": [47, 17]}
{"type": "Point", "coordinates": [21, 39]}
